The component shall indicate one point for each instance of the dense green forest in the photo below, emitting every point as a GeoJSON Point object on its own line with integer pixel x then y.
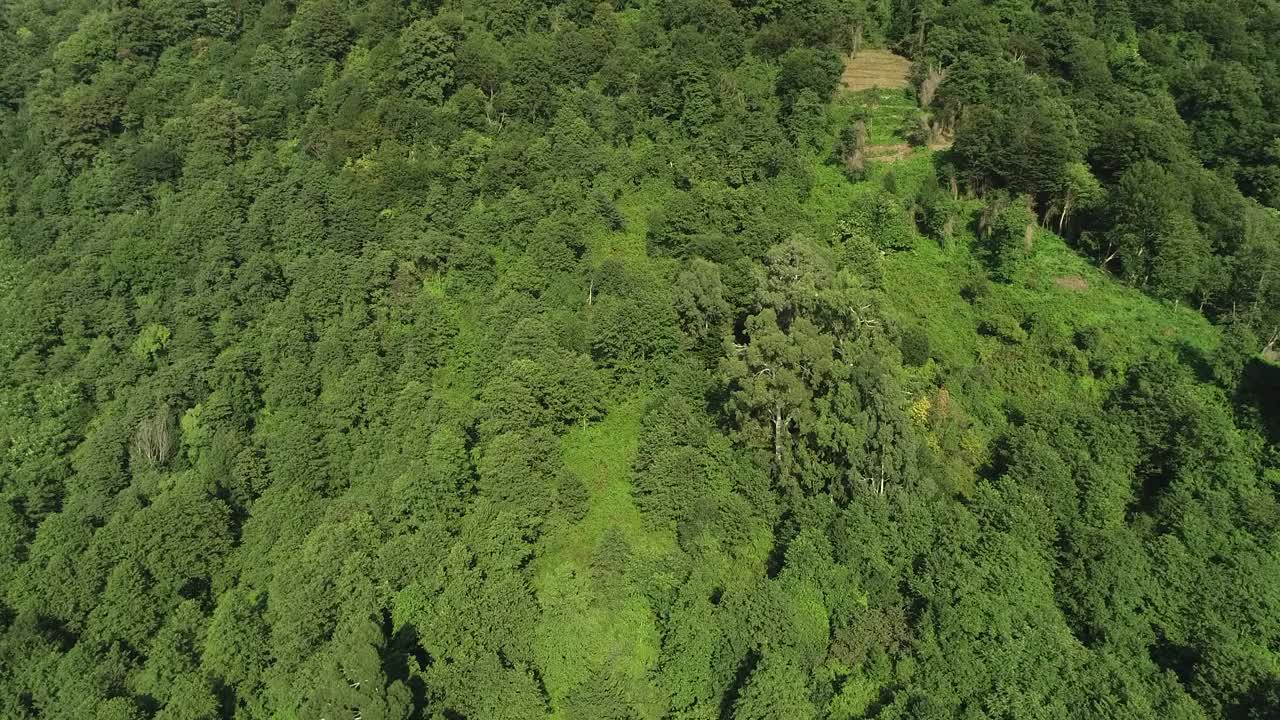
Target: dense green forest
{"type": "Point", "coordinates": [507, 359]}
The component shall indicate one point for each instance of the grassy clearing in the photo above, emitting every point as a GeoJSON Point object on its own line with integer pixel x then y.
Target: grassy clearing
{"type": "Point", "coordinates": [588, 634]}
{"type": "Point", "coordinates": [1037, 337]}
{"type": "Point", "coordinates": [1054, 288]}
{"type": "Point", "coordinates": [1063, 333]}
{"type": "Point", "coordinates": [1007, 343]}
{"type": "Point", "coordinates": [886, 112]}
{"type": "Point", "coordinates": [833, 194]}
{"type": "Point", "coordinates": [601, 455]}
{"type": "Point", "coordinates": [581, 625]}
{"type": "Point", "coordinates": [629, 243]}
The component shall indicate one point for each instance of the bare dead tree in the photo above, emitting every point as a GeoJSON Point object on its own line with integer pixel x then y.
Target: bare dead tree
{"type": "Point", "coordinates": [1113, 251]}
{"type": "Point", "coordinates": [1269, 350]}
{"type": "Point", "coordinates": [929, 84]}
{"type": "Point", "coordinates": [928, 130]}
{"type": "Point", "coordinates": [937, 132]}
{"type": "Point", "coordinates": [153, 438]}
{"type": "Point", "coordinates": [854, 149]}
{"type": "Point", "coordinates": [855, 163]}
{"type": "Point", "coordinates": [922, 19]}
{"type": "Point", "coordinates": [734, 97]}
{"type": "Point", "coordinates": [987, 217]}
{"type": "Point", "coordinates": [855, 40]}
{"type": "Point", "coordinates": [1029, 232]}
{"type": "Point", "coordinates": [919, 134]}
{"type": "Point", "coordinates": [1051, 209]}
{"type": "Point", "coordinates": [491, 114]}
{"type": "Point", "coordinates": [1068, 200]}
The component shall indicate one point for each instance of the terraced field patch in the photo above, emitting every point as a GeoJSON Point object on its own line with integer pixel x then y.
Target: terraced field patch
{"type": "Point", "coordinates": [872, 68]}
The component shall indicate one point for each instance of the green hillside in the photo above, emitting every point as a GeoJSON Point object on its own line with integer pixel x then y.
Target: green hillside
{"type": "Point", "coordinates": [516, 359]}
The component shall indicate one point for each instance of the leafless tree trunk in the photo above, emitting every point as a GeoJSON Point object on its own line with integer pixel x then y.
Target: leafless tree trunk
{"type": "Point", "coordinates": [859, 134]}
{"type": "Point", "coordinates": [777, 436]}
{"type": "Point", "coordinates": [153, 438]}
{"type": "Point", "coordinates": [1050, 209]}
{"type": "Point", "coordinates": [1029, 232]}
{"type": "Point", "coordinates": [987, 218]}
{"type": "Point", "coordinates": [1112, 252]}
{"type": "Point", "coordinates": [855, 40]}
{"type": "Point", "coordinates": [489, 108]}
{"type": "Point", "coordinates": [855, 160]}
{"type": "Point", "coordinates": [933, 78]}
{"type": "Point", "coordinates": [1264, 282]}
{"type": "Point", "coordinates": [921, 21]}
{"type": "Point", "coordinates": [856, 163]}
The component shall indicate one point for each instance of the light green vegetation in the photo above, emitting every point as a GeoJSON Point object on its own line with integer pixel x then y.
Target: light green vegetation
{"type": "Point", "coordinates": [506, 360]}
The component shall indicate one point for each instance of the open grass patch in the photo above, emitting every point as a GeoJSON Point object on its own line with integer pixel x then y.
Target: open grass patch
{"type": "Point", "coordinates": [591, 632]}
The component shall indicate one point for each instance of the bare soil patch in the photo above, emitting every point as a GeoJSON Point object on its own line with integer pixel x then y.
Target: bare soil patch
{"type": "Point", "coordinates": [876, 68]}
{"type": "Point", "coordinates": [888, 153]}
{"type": "Point", "coordinates": [1071, 282]}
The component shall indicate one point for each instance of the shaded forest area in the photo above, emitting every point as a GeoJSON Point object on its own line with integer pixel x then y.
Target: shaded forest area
{"type": "Point", "coordinates": [506, 359]}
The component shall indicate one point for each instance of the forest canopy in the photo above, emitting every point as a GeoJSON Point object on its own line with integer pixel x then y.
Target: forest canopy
{"type": "Point", "coordinates": [515, 359]}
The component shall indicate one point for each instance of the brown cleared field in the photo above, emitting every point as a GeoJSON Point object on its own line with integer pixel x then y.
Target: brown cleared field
{"type": "Point", "coordinates": [876, 68]}
{"type": "Point", "coordinates": [888, 153]}
{"type": "Point", "coordinates": [1071, 282]}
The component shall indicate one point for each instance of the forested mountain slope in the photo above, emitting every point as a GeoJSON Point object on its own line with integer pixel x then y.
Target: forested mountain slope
{"type": "Point", "coordinates": [521, 359]}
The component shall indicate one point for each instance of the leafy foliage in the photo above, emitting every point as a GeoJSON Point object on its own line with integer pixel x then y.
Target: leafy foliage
{"type": "Point", "coordinates": [556, 359]}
